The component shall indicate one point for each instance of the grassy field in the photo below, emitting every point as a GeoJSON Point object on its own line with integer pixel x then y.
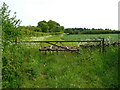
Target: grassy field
{"type": "Point", "coordinates": [108, 37]}
{"type": "Point", "coordinates": [35, 69]}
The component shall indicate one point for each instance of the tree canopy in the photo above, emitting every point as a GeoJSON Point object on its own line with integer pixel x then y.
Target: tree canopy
{"type": "Point", "coordinates": [9, 24]}
{"type": "Point", "coordinates": [50, 26]}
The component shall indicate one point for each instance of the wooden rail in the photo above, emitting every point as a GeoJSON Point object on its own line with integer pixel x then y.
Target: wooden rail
{"type": "Point", "coordinates": [67, 49]}
{"type": "Point", "coordinates": [64, 48]}
{"type": "Point", "coordinates": [52, 41]}
{"type": "Point", "coordinates": [101, 41]}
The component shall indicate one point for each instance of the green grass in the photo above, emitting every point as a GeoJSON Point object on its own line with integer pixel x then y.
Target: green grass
{"type": "Point", "coordinates": [108, 37]}
{"type": "Point", "coordinates": [27, 67]}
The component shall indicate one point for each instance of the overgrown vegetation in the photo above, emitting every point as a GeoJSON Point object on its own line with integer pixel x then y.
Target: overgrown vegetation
{"type": "Point", "coordinates": [30, 68]}
{"type": "Point", "coordinates": [24, 66]}
{"type": "Point", "coordinates": [42, 29]}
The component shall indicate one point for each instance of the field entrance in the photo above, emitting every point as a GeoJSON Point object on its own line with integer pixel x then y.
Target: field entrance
{"type": "Point", "coordinates": [89, 69]}
{"type": "Point", "coordinates": [61, 45]}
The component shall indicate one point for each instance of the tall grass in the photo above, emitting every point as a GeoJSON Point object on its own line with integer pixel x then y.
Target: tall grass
{"type": "Point", "coordinates": [29, 68]}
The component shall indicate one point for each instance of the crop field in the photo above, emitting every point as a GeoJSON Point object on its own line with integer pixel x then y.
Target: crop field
{"type": "Point", "coordinates": [91, 69]}
{"type": "Point", "coordinates": [108, 37]}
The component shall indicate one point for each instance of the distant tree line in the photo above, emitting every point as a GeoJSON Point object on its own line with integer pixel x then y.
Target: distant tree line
{"type": "Point", "coordinates": [42, 28]}
{"type": "Point", "coordinates": [90, 31]}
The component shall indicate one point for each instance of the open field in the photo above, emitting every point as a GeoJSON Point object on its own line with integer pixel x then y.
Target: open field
{"type": "Point", "coordinates": [35, 69]}
{"type": "Point", "coordinates": [108, 37]}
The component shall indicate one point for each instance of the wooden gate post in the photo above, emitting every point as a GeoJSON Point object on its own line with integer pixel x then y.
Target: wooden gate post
{"type": "Point", "coordinates": [16, 41]}
{"type": "Point", "coordinates": [103, 45]}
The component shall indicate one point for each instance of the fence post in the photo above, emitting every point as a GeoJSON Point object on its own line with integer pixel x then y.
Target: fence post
{"type": "Point", "coordinates": [103, 45]}
{"type": "Point", "coordinates": [16, 41]}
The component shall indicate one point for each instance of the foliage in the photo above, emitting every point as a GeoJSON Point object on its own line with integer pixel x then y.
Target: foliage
{"type": "Point", "coordinates": [26, 67]}
{"type": "Point", "coordinates": [70, 31]}
{"type": "Point", "coordinates": [43, 26]}
{"type": "Point", "coordinates": [39, 70]}
{"type": "Point", "coordinates": [90, 31]}
{"type": "Point", "coordinates": [50, 26]}
{"type": "Point", "coordinates": [100, 32]}
{"type": "Point", "coordinates": [31, 28]}
{"type": "Point", "coordinates": [9, 25]}
{"type": "Point", "coordinates": [10, 31]}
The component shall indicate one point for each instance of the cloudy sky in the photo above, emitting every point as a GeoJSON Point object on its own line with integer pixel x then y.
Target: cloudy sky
{"type": "Point", "coordinates": [69, 13]}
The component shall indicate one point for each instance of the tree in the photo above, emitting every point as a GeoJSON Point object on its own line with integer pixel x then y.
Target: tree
{"type": "Point", "coordinates": [43, 26]}
{"type": "Point", "coordinates": [31, 28]}
{"type": "Point", "coordinates": [9, 32]}
{"type": "Point", "coordinates": [62, 27]}
{"type": "Point", "coordinates": [55, 27]}
{"type": "Point", "coordinates": [9, 25]}
{"type": "Point", "coordinates": [70, 31]}
{"type": "Point", "coordinates": [52, 24]}
{"type": "Point", "coordinates": [37, 29]}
